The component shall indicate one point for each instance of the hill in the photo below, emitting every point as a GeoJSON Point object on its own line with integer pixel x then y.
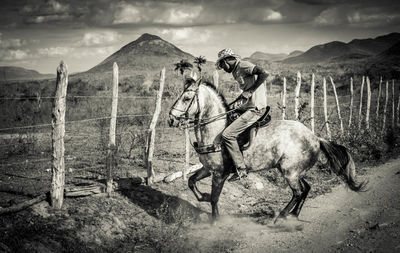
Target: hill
{"type": "Point", "coordinates": [340, 51]}
{"type": "Point", "coordinates": [11, 73]}
{"type": "Point", "coordinates": [267, 56]}
{"type": "Point", "coordinates": [146, 53]}
{"type": "Point", "coordinates": [386, 63]}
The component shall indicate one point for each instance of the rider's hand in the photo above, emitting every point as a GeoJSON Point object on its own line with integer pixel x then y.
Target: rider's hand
{"type": "Point", "coordinates": [246, 94]}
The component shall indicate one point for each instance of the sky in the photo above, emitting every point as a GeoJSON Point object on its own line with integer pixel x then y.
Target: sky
{"type": "Point", "coordinates": [38, 34]}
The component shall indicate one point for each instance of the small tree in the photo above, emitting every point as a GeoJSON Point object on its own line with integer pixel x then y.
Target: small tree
{"type": "Point", "coordinates": [199, 61]}
{"type": "Point", "coordinates": [182, 66]}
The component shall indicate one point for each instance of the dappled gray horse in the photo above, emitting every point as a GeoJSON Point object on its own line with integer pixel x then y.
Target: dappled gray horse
{"type": "Point", "coordinates": [284, 144]}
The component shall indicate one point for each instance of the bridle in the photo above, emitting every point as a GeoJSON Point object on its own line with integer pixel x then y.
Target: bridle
{"type": "Point", "coordinates": [195, 122]}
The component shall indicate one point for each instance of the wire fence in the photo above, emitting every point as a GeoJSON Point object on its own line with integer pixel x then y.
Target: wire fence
{"type": "Point", "coordinates": [26, 149]}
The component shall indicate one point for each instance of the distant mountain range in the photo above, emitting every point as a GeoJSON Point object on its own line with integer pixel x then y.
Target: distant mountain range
{"type": "Point", "coordinates": [10, 73]}
{"type": "Point", "coordinates": [150, 53]}
{"type": "Point", "coordinates": [272, 57]}
{"type": "Point", "coordinates": [337, 51]}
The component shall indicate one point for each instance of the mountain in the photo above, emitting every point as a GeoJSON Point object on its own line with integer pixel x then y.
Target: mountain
{"type": "Point", "coordinates": [295, 53]}
{"type": "Point", "coordinates": [10, 73]}
{"type": "Point", "coordinates": [387, 63]}
{"type": "Point", "coordinates": [267, 56]}
{"type": "Point", "coordinates": [337, 51]}
{"type": "Point", "coordinates": [146, 53]}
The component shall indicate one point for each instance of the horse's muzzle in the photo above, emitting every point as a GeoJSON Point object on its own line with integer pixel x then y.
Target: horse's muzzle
{"type": "Point", "coordinates": [172, 121]}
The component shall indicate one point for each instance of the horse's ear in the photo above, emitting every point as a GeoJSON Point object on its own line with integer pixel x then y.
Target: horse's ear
{"type": "Point", "coordinates": [193, 75]}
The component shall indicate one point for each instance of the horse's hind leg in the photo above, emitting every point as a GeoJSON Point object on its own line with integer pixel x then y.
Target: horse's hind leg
{"type": "Point", "coordinates": [305, 188]}
{"type": "Point", "coordinates": [199, 175]}
{"type": "Point", "coordinates": [294, 184]}
{"type": "Point", "coordinates": [218, 181]}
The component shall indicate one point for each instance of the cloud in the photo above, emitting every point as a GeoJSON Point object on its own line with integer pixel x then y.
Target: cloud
{"type": "Point", "coordinates": [359, 16]}
{"type": "Point", "coordinates": [321, 2]}
{"type": "Point", "coordinates": [271, 15]}
{"type": "Point", "coordinates": [176, 15]}
{"type": "Point", "coordinates": [99, 38]}
{"type": "Point", "coordinates": [49, 11]}
{"type": "Point", "coordinates": [17, 54]}
{"type": "Point", "coordinates": [194, 36]}
{"type": "Point", "coordinates": [156, 12]}
{"type": "Point", "coordinates": [98, 51]}
{"type": "Point", "coordinates": [11, 43]}
{"type": "Point", "coordinates": [54, 51]}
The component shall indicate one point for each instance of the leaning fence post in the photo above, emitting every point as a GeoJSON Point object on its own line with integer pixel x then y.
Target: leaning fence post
{"type": "Point", "coordinates": [337, 106]}
{"type": "Point", "coordinates": [379, 97]}
{"type": "Point", "coordinates": [152, 131]}
{"type": "Point", "coordinates": [312, 103]}
{"type": "Point", "coordinates": [296, 99]}
{"type": "Point", "coordinates": [284, 99]}
{"type": "Point", "coordinates": [398, 111]}
{"type": "Point", "coordinates": [351, 100]}
{"type": "Point", "coordinates": [392, 104]}
{"type": "Point", "coordinates": [328, 131]}
{"type": "Point", "coordinates": [385, 107]}
{"type": "Point", "coordinates": [112, 149]}
{"type": "Point", "coordinates": [368, 102]}
{"type": "Point", "coordinates": [361, 98]}
{"type": "Point", "coordinates": [58, 132]}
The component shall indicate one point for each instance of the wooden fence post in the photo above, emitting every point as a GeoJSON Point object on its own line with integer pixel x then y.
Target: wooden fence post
{"type": "Point", "coordinates": [379, 97]}
{"type": "Point", "coordinates": [58, 132]}
{"type": "Point", "coordinates": [398, 111]}
{"type": "Point", "coordinates": [368, 102]}
{"type": "Point", "coordinates": [312, 103]}
{"type": "Point", "coordinates": [385, 107]}
{"type": "Point", "coordinates": [361, 98]}
{"type": "Point", "coordinates": [392, 104]}
{"type": "Point", "coordinates": [351, 100]}
{"type": "Point", "coordinates": [112, 149]}
{"type": "Point", "coordinates": [296, 99]}
{"type": "Point", "coordinates": [152, 131]}
{"type": "Point", "coordinates": [328, 131]}
{"type": "Point", "coordinates": [284, 99]}
{"type": "Point", "coordinates": [337, 106]}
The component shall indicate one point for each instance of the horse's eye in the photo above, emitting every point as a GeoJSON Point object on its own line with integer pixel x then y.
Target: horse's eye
{"type": "Point", "coordinates": [186, 99]}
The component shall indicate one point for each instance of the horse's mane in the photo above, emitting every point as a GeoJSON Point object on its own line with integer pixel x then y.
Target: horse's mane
{"type": "Point", "coordinates": [189, 81]}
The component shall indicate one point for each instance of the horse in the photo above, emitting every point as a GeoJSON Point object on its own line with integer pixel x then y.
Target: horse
{"type": "Point", "coordinates": [287, 145]}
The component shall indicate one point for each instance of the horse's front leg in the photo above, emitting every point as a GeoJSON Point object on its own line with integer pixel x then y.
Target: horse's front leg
{"type": "Point", "coordinates": [199, 175]}
{"type": "Point", "coordinates": [218, 181]}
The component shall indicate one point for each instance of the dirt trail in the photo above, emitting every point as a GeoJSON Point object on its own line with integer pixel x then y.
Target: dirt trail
{"type": "Point", "coordinates": [342, 221]}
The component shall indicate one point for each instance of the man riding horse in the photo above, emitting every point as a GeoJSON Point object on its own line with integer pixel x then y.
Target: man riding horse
{"type": "Point", "coordinates": [251, 103]}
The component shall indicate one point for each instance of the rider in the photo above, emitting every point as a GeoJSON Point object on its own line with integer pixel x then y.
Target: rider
{"type": "Point", "coordinates": [254, 102]}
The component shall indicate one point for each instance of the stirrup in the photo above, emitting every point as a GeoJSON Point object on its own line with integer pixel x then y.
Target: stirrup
{"type": "Point", "coordinates": [238, 175]}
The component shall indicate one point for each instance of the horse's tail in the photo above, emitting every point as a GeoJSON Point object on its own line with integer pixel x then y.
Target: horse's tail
{"type": "Point", "coordinates": [342, 164]}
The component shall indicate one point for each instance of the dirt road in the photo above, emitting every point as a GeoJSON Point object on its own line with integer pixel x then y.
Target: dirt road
{"type": "Point", "coordinates": [341, 221]}
{"type": "Point", "coordinates": [147, 219]}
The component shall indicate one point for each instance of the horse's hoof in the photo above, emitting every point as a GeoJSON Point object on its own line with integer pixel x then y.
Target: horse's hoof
{"type": "Point", "coordinates": [279, 219]}
{"type": "Point", "coordinates": [292, 217]}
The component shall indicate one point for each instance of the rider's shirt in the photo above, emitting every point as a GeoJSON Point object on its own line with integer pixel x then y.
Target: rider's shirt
{"type": "Point", "coordinates": [243, 74]}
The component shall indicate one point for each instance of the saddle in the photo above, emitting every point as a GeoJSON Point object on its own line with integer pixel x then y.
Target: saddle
{"type": "Point", "coordinates": [245, 139]}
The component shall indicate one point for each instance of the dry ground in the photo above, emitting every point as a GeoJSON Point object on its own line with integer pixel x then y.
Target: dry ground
{"type": "Point", "coordinates": [167, 218]}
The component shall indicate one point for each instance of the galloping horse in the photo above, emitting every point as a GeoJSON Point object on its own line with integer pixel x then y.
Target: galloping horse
{"type": "Point", "coordinates": [284, 144]}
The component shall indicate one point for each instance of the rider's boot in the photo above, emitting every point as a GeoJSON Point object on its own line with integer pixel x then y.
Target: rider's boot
{"type": "Point", "coordinates": [239, 174]}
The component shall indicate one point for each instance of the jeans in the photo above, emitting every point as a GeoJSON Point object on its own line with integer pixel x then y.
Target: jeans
{"type": "Point", "coordinates": [230, 134]}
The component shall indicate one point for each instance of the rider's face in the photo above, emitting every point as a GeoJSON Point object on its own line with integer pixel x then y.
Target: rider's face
{"type": "Point", "coordinates": [227, 65]}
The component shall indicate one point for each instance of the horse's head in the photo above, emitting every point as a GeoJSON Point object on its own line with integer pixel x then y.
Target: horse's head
{"type": "Point", "coordinates": [187, 104]}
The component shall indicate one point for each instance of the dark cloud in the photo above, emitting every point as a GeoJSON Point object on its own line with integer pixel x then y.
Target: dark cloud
{"type": "Point", "coordinates": [187, 13]}
{"type": "Point", "coordinates": [322, 2]}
